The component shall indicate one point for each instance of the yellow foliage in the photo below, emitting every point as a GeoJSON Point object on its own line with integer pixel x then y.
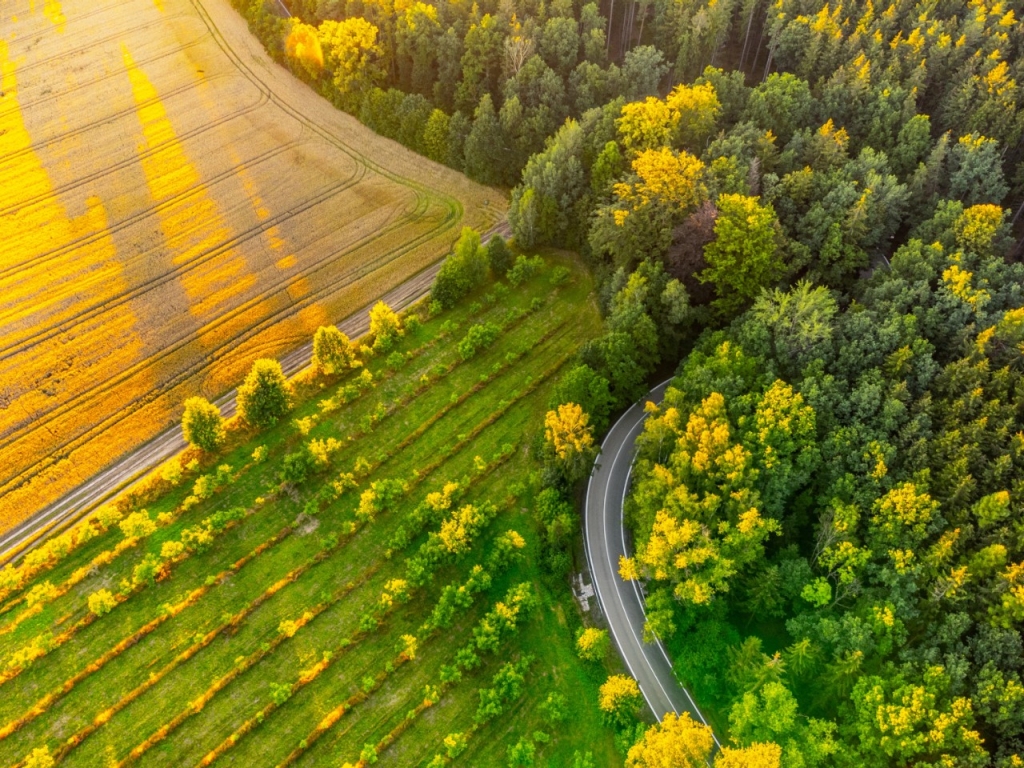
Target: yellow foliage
{"type": "Point", "coordinates": [977, 226]}
{"type": "Point", "coordinates": [171, 549]}
{"type": "Point", "coordinates": [617, 693]}
{"type": "Point", "coordinates": [351, 53]}
{"type": "Point", "coordinates": [669, 178]}
{"type": "Point", "coordinates": [456, 531]}
{"type": "Point", "coordinates": [567, 431]}
{"type": "Point", "coordinates": [628, 570]}
{"type": "Point", "coordinates": [303, 45]}
{"type": "Point", "coordinates": [695, 109]}
{"type": "Point", "coordinates": [646, 124]}
{"type": "Point", "coordinates": [384, 323]}
{"type": "Point", "coordinates": [101, 602]}
{"type": "Point", "coordinates": [960, 283]}
{"type": "Point", "coordinates": [677, 742]}
{"type": "Point", "coordinates": [592, 643]}
{"type": "Point", "coordinates": [39, 758]}
{"type": "Point", "coordinates": [763, 755]}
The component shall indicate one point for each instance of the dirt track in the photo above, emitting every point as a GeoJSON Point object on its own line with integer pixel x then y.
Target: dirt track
{"type": "Point", "coordinates": [172, 205]}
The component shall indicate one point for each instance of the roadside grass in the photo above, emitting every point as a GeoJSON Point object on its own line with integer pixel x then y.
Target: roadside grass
{"type": "Point", "coordinates": [202, 681]}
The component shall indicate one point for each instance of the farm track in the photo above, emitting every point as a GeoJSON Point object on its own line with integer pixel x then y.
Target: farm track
{"type": "Point", "coordinates": [428, 215]}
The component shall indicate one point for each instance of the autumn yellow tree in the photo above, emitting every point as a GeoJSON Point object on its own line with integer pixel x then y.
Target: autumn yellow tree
{"type": "Point", "coordinates": [977, 227]}
{"type": "Point", "coordinates": [570, 443]}
{"type": "Point", "coordinates": [332, 350]}
{"type": "Point", "coordinates": [592, 644]}
{"type": "Point", "coordinates": [102, 602]}
{"type": "Point", "coordinates": [302, 47]}
{"type": "Point", "coordinates": [694, 109]}
{"type": "Point", "coordinates": [676, 742]}
{"type": "Point", "coordinates": [703, 509]}
{"type": "Point", "coordinates": [619, 698]}
{"type": "Point", "coordinates": [645, 125]}
{"type": "Point", "coordinates": [672, 179]}
{"type": "Point", "coordinates": [39, 758]}
{"type": "Point", "coordinates": [352, 57]}
{"type": "Point", "coordinates": [763, 755]}
{"type": "Point", "coordinates": [385, 325]}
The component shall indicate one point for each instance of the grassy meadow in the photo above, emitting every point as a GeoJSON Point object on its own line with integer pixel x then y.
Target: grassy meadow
{"type": "Point", "coordinates": [388, 608]}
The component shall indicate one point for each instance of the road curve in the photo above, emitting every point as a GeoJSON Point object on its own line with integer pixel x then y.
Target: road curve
{"type": "Point", "coordinates": [605, 541]}
{"type": "Point", "coordinates": [131, 467]}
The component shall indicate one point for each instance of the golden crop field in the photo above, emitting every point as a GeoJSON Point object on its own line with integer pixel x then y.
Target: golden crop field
{"type": "Point", "coordinates": [173, 204]}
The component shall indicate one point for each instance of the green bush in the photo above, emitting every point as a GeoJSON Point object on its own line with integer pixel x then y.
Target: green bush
{"type": "Point", "coordinates": [480, 336]}
{"type": "Point", "coordinates": [525, 268]}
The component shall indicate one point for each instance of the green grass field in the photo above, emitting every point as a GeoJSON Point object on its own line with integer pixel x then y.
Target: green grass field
{"type": "Point", "coordinates": [197, 667]}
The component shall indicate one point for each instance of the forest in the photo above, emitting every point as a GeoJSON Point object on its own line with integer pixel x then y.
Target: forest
{"type": "Point", "coordinates": [807, 211]}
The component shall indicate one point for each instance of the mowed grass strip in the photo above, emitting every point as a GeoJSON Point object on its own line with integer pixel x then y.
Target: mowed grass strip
{"type": "Point", "coordinates": [485, 404]}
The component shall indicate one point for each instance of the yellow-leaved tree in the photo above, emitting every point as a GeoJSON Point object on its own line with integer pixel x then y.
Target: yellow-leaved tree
{"type": "Point", "coordinates": [352, 58]}
{"type": "Point", "coordinates": [702, 507]}
{"type": "Point", "coordinates": [761, 755]}
{"type": "Point", "coordinates": [385, 326]}
{"type": "Point", "coordinates": [302, 46]}
{"type": "Point", "coordinates": [619, 698]}
{"type": "Point", "coordinates": [569, 441]}
{"type": "Point", "coordinates": [676, 742]}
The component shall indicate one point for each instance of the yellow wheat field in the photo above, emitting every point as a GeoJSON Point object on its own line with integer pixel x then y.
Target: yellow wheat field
{"type": "Point", "coordinates": [173, 205]}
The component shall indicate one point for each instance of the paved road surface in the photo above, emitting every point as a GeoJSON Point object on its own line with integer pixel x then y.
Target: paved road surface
{"type": "Point", "coordinates": [605, 539]}
{"type": "Point", "coordinates": [133, 466]}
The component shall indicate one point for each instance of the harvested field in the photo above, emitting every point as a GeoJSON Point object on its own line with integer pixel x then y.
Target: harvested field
{"type": "Point", "coordinates": [173, 204]}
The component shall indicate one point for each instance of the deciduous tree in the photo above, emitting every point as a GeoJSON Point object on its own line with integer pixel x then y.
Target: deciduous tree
{"type": "Point", "coordinates": [202, 424]}
{"type": "Point", "coordinates": [265, 395]}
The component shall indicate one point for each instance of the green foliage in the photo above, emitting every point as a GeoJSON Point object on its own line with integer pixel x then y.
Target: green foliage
{"type": "Point", "coordinates": [332, 351]}
{"type": "Point", "coordinates": [744, 256]}
{"type": "Point", "coordinates": [478, 337]}
{"type": "Point", "coordinates": [584, 386]}
{"type": "Point", "coordinates": [202, 424]}
{"type": "Point", "coordinates": [524, 269]}
{"type": "Point", "coordinates": [463, 270]}
{"type": "Point", "coordinates": [499, 256]}
{"type": "Point", "coordinates": [265, 395]}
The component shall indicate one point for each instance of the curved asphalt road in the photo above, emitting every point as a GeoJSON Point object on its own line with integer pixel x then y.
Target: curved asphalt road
{"type": "Point", "coordinates": [133, 466]}
{"type": "Point", "coordinates": [622, 602]}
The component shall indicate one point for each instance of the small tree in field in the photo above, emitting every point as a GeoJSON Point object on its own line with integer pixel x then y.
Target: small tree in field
{"type": "Point", "coordinates": [265, 395]}
{"type": "Point", "coordinates": [102, 602]}
{"type": "Point", "coordinates": [569, 441]}
{"type": "Point", "coordinates": [620, 698]}
{"type": "Point", "coordinates": [332, 350]}
{"type": "Point", "coordinates": [202, 424]}
{"type": "Point", "coordinates": [592, 644]}
{"type": "Point", "coordinates": [385, 326]}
